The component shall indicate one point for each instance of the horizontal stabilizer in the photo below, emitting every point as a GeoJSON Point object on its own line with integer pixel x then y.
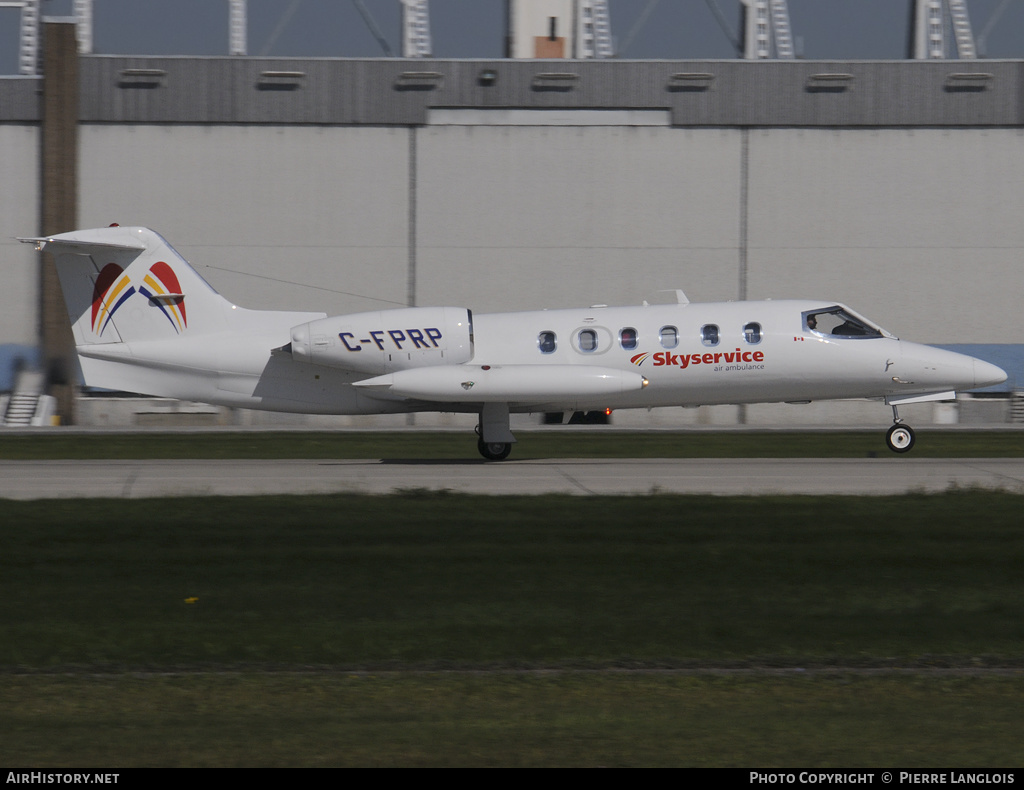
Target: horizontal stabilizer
{"type": "Point", "coordinates": [67, 242]}
{"type": "Point", "coordinates": [506, 383]}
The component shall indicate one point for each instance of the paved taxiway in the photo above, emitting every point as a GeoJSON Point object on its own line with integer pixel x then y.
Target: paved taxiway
{"type": "Point", "coordinates": [163, 478]}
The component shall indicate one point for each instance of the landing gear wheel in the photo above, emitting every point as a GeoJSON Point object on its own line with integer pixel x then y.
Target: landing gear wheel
{"type": "Point", "coordinates": [494, 451]}
{"type": "Point", "coordinates": [900, 438]}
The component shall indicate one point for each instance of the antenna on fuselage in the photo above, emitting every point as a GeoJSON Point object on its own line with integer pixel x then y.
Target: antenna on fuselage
{"type": "Point", "coordinates": [680, 297]}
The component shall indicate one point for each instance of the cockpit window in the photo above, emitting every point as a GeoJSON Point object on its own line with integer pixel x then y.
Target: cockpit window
{"type": "Point", "coordinates": [838, 322]}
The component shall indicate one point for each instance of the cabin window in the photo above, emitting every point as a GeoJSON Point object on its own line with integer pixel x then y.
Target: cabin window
{"type": "Point", "coordinates": [587, 340]}
{"type": "Point", "coordinates": [546, 342]}
{"type": "Point", "coordinates": [752, 333]}
{"type": "Point", "coordinates": [669, 337]}
{"type": "Point", "coordinates": [709, 334]}
{"type": "Point", "coordinates": [839, 322]}
{"type": "Point", "coordinates": [628, 338]}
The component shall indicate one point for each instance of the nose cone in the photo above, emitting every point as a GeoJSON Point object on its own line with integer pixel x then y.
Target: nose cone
{"type": "Point", "coordinates": [924, 368]}
{"type": "Point", "coordinates": [987, 374]}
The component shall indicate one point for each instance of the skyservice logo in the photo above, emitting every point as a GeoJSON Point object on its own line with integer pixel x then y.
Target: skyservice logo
{"type": "Point", "coordinates": [160, 286]}
{"type": "Point", "coordinates": [663, 358]}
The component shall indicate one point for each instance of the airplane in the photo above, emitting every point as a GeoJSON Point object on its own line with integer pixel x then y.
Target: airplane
{"type": "Point", "coordinates": [145, 321]}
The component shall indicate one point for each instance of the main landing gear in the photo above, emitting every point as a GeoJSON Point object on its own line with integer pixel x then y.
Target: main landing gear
{"type": "Point", "coordinates": [494, 451]}
{"type": "Point", "coordinates": [900, 437]}
{"type": "Point", "coordinates": [495, 439]}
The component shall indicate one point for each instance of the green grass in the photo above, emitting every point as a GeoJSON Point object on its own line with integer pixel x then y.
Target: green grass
{"type": "Point", "coordinates": [437, 629]}
{"type": "Point", "coordinates": [540, 444]}
{"type": "Point", "coordinates": [561, 719]}
{"type": "Point", "coordinates": [421, 580]}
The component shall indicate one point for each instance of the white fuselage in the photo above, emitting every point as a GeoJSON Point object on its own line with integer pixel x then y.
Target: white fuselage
{"type": "Point", "coordinates": [547, 361]}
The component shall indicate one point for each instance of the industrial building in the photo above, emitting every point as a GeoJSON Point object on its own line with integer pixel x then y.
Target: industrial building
{"type": "Point", "coordinates": [348, 185]}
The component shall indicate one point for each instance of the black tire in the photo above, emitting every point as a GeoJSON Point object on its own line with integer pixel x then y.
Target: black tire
{"type": "Point", "coordinates": [494, 451]}
{"type": "Point", "coordinates": [900, 438]}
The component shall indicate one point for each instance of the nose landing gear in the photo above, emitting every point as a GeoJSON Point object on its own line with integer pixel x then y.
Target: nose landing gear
{"type": "Point", "coordinates": [900, 437]}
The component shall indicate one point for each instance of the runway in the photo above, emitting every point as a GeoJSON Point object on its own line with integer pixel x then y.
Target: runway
{"type": "Point", "coordinates": [165, 478]}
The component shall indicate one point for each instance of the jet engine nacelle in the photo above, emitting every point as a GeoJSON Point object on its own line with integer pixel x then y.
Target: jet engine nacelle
{"type": "Point", "coordinates": [386, 340]}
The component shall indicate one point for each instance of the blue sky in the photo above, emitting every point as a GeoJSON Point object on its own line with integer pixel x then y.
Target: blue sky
{"type": "Point", "coordinates": [823, 29]}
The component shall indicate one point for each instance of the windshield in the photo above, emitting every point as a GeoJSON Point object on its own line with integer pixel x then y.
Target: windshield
{"type": "Point", "coordinates": [839, 322]}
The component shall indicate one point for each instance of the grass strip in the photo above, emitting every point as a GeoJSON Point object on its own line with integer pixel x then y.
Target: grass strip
{"type": "Point", "coordinates": [506, 719]}
{"type": "Point", "coordinates": [439, 580]}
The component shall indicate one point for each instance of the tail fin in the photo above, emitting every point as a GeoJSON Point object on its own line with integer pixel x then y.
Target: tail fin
{"type": "Point", "coordinates": [129, 284]}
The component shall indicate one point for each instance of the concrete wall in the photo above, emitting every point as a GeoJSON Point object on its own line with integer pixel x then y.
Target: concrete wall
{"type": "Point", "coordinates": [297, 217]}
{"type": "Point", "coordinates": [917, 229]}
{"type": "Point", "coordinates": [525, 217]}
